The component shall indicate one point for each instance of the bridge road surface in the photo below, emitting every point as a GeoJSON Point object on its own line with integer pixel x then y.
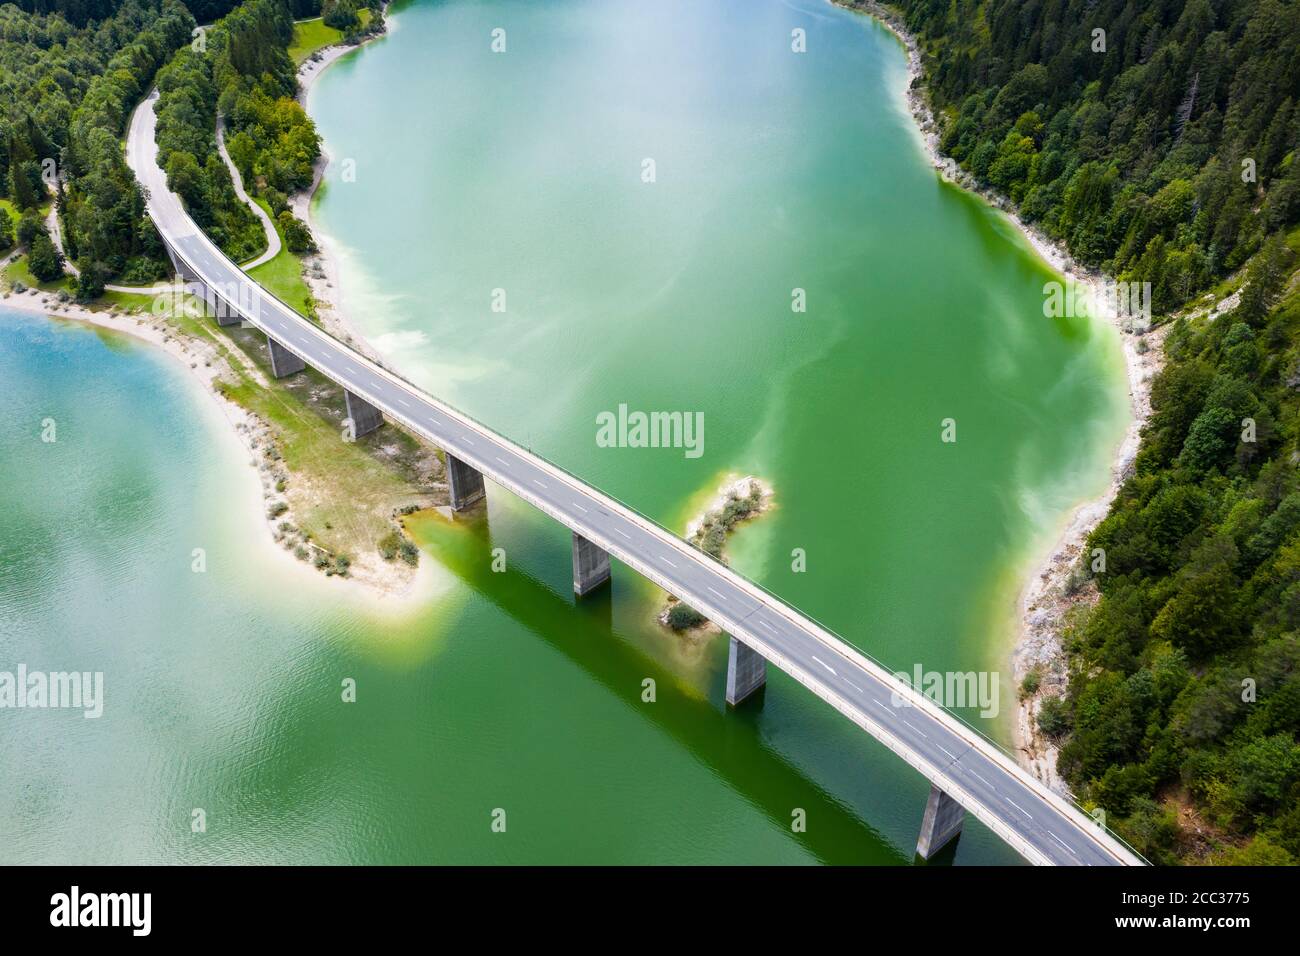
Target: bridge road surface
{"type": "Point", "coordinates": [1040, 825]}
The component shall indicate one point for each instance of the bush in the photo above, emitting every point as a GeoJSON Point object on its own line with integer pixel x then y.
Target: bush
{"type": "Point", "coordinates": [297, 237]}
{"type": "Point", "coordinates": [682, 617]}
{"type": "Point", "coordinates": [1053, 720]}
{"type": "Point", "coordinates": [389, 545]}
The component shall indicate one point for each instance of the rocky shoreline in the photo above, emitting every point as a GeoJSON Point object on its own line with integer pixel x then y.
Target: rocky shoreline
{"type": "Point", "coordinates": [1047, 595]}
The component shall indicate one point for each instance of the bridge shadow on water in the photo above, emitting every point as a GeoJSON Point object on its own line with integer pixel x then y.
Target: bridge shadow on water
{"type": "Point", "coordinates": [730, 742]}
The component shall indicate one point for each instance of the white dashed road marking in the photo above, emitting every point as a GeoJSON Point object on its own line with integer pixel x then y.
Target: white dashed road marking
{"type": "Point", "coordinates": [1063, 843]}
{"type": "Point", "coordinates": [1018, 807]}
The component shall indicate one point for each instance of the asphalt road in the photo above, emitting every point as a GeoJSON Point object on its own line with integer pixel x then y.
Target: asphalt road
{"type": "Point", "coordinates": [1044, 828]}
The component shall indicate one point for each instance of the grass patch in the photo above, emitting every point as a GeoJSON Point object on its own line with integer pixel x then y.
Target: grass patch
{"type": "Point", "coordinates": [9, 208]}
{"type": "Point", "coordinates": [362, 483]}
{"type": "Point", "coordinates": [312, 35]}
{"type": "Point", "coordinates": [282, 275]}
{"type": "Point", "coordinates": [17, 271]}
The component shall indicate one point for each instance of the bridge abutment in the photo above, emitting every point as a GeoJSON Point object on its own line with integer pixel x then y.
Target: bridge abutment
{"type": "Point", "coordinates": [590, 565]}
{"type": "Point", "coordinates": [283, 362]}
{"type": "Point", "coordinates": [746, 671]}
{"type": "Point", "coordinates": [365, 417]}
{"type": "Point", "coordinates": [464, 482]}
{"type": "Point", "coordinates": [941, 824]}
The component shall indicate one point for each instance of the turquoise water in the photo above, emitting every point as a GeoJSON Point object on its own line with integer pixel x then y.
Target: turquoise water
{"type": "Point", "coordinates": [522, 171]}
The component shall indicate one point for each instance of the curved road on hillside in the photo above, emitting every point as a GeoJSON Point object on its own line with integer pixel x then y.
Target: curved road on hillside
{"type": "Point", "coordinates": [1040, 825]}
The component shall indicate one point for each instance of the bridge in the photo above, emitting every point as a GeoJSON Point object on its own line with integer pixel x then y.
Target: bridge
{"type": "Point", "coordinates": [967, 772]}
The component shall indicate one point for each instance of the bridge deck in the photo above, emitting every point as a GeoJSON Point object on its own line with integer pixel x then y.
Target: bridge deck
{"type": "Point", "coordinates": [1040, 825]}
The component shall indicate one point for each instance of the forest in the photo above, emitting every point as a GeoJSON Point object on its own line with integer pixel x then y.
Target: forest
{"type": "Point", "coordinates": [245, 75]}
{"type": "Point", "coordinates": [1153, 138]}
{"type": "Point", "coordinates": [66, 93]}
{"type": "Point", "coordinates": [1157, 141]}
{"type": "Point", "coordinates": [71, 72]}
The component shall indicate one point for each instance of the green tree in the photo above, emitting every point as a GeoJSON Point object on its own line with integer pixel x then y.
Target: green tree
{"type": "Point", "coordinates": [1198, 618]}
{"type": "Point", "coordinates": [44, 260]}
{"type": "Point", "coordinates": [296, 234]}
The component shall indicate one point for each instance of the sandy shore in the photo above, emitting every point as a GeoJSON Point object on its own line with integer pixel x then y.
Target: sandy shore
{"type": "Point", "coordinates": [1046, 597]}
{"type": "Point", "coordinates": [389, 587]}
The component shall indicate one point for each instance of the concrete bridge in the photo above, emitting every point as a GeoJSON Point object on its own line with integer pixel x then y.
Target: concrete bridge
{"type": "Point", "coordinates": [967, 772]}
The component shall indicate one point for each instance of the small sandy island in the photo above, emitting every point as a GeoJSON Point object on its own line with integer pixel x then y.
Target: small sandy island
{"type": "Point", "coordinates": [738, 499]}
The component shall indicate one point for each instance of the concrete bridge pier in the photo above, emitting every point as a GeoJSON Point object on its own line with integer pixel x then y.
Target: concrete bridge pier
{"type": "Point", "coordinates": [195, 285]}
{"type": "Point", "coordinates": [284, 362]}
{"type": "Point", "coordinates": [179, 267]}
{"type": "Point", "coordinates": [365, 417]}
{"type": "Point", "coordinates": [590, 565]}
{"type": "Point", "coordinates": [465, 482]}
{"type": "Point", "coordinates": [213, 305]}
{"type": "Point", "coordinates": [746, 671]}
{"type": "Point", "coordinates": [941, 823]}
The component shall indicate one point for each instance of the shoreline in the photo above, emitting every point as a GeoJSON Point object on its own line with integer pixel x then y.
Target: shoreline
{"type": "Point", "coordinates": [321, 269]}
{"type": "Point", "coordinates": [1044, 598]}
{"type": "Point", "coordinates": [1042, 601]}
{"type": "Point", "coordinates": [388, 591]}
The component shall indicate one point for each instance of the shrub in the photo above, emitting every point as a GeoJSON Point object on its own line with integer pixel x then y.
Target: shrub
{"type": "Point", "coordinates": [683, 616]}
{"type": "Point", "coordinates": [1053, 720]}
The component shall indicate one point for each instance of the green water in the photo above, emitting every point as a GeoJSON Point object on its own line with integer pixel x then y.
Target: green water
{"type": "Point", "coordinates": [522, 171]}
